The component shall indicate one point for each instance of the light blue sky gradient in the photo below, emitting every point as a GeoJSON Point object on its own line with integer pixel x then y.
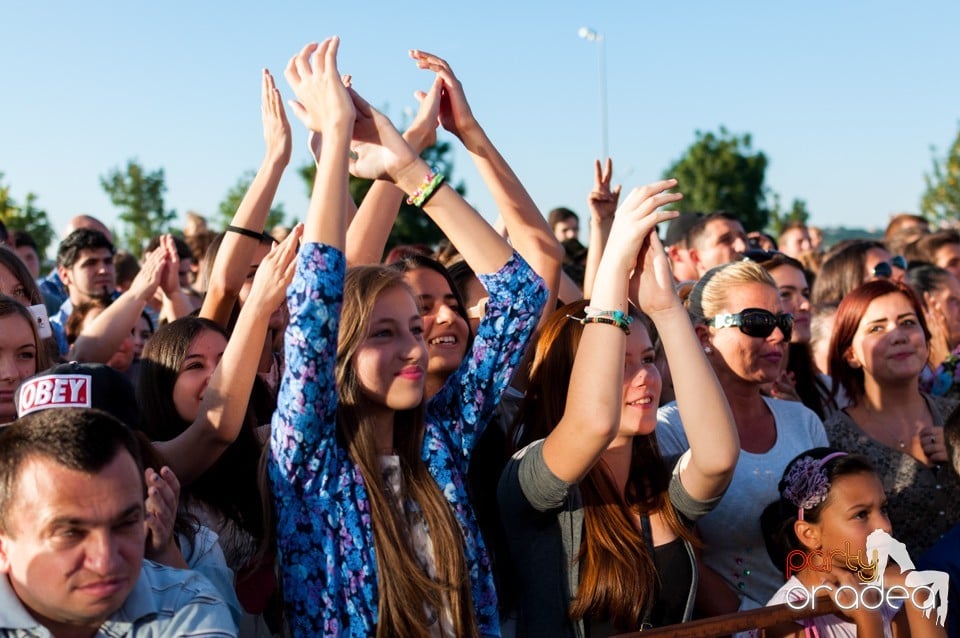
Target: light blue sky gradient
{"type": "Point", "coordinates": [845, 98]}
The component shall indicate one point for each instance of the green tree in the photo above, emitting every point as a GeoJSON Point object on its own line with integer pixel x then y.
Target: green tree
{"type": "Point", "coordinates": [412, 225]}
{"type": "Point", "coordinates": [941, 200]}
{"type": "Point", "coordinates": [779, 218]}
{"type": "Point", "coordinates": [27, 217]}
{"type": "Point", "coordinates": [721, 171]}
{"type": "Point", "coordinates": [231, 202]}
{"type": "Point", "coordinates": [139, 196]}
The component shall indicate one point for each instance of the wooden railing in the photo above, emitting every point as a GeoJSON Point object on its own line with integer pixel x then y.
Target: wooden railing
{"type": "Point", "coordinates": [741, 621]}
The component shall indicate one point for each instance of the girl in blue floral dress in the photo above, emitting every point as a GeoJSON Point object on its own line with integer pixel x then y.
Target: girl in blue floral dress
{"type": "Point", "coordinates": [375, 530]}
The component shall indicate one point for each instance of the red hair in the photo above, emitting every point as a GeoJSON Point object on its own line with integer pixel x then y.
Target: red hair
{"type": "Point", "coordinates": [849, 315]}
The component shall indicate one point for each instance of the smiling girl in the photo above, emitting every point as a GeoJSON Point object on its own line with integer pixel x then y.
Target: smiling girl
{"type": "Point", "coordinates": [376, 531]}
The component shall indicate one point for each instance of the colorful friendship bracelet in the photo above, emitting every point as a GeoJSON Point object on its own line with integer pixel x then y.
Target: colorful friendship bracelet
{"type": "Point", "coordinates": [426, 189]}
{"type": "Point", "coordinates": [616, 315]}
{"type": "Point", "coordinates": [608, 318]}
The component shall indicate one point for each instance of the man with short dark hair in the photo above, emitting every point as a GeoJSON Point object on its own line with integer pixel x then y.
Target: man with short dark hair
{"type": "Point", "coordinates": [72, 537]}
{"type": "Point", "coordinates": [941, 248]}
{"type": "Point", "coordinates": [678, 252]}
{"type": "Point", "coordinates": [717, 239]}
{"type": "Point", "coordinates": [85, 266]}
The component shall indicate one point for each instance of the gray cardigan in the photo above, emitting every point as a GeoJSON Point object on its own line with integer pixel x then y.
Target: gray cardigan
{"type": "Point", "coordinates": [543, 520]}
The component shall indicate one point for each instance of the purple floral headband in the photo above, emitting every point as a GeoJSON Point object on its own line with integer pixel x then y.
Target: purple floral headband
{"type": "Point", "coordinates": [806, 482]}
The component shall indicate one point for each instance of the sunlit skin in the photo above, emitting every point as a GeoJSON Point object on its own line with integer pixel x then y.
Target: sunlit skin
{"type": "Point", "coordinates": [278, 318]}
{"type": "Point", "coordinates": [122, 359]}
{"type": "Point", "coordinates": [721, 243]}
{"type": "Point", "coordinates": [795, 297]}
{"type": "Point", "coordinates": [946, 302]}
{"type": "Point", "coordinates": [795, 242]}
{"type": "Point", "coordinates": [641, 386]}
{"type": "Point", "coordinates": [11, 286]}
{"type": "Point", "coordinates": [30, 259]}
{"type": "Point", "coordinates": [141, 332]}
{"type": "Point", "coordinates": [18, 360]}
{"type": "Point", "coordinates": [567, 229]}
{"type": "Point", "coordinates": [873, 257]}
{"type": "Point", "coordinates": [392, 358]}
{"type": "Point", "coordinates": [74, 554]}
{"type": "Point", "coordinates": [742, 358]}
{"type": "Point", "coordinates": [444, 330]}
{"type": "Point", "coordinates": [92, 275]}
{"type": "Point", "coordinates": [948, 257]}
{"type": "Point", "coordinates": [889, 343]}
{"type": "Point", "coordinates": [855, 507]}
{"type": "Point", "coordinates": [198, 365]}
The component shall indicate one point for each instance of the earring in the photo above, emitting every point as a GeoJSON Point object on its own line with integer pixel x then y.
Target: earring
{"type": "Point", "coordinates": [708, 349]}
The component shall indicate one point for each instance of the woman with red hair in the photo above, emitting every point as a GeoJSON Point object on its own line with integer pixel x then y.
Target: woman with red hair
{"type": "Point", "coordinates": [878, 350]}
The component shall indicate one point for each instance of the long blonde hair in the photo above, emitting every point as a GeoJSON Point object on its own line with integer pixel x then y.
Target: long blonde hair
{"type": "Point", "coordinates": [404, 587]}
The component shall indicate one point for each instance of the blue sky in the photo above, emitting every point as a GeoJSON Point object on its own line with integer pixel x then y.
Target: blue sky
{"type": "Point", "coordinates": [845, 99]}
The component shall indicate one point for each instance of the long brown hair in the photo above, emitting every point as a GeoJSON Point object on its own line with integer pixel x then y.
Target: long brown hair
{"type": "Point", "coordinates": [618, 577]}
{"type": "Point", "coordinates": [404, 587]}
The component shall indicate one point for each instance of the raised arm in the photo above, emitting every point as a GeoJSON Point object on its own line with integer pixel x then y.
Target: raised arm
{"type": "Point", "coordinates": [370, 228]}
{"type": "Point", "coordinates": [101, 338]}
{"type": "Point", "coordinates": [528, 230]}
{"type": "Point", "coordinates": [602, 202]}
{"type": "Point", "coordinates": [591, 419]}
{"type": "Point", "coordinates": [707, 420]}
{"type": "Point", "coordinates": [236, 251]}
{"type": "Point", "coordinates": [224, 405]}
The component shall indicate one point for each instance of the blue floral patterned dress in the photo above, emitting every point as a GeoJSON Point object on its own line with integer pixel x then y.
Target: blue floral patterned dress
{"type": "Point", "coordinates": [324, 535]}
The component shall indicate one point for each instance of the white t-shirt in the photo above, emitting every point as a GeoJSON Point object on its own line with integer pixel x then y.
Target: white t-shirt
{"type": "Point", "coordinates": [733, 542]}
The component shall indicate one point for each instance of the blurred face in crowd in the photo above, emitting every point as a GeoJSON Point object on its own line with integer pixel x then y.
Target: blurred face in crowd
{"type": "Point", "coordinates": [18, 360]}
{"type": "Point", "coordinates": [30, 258]}
{"type": "Point", "coordinates": [12, 287]}
{"type": "Point", "coordinates": [877, 256]}
{"type": "Point", "coordinates": [198, 365]}
{"type": "Point", "coordinates": [948, 258]}
{"type": "Point", "coordinates": [721, 242]}
{"type": "Point", "coordinates": [568, 228]}
{"type": "Point", "coordinates": [795, 242]}
{"type": "Point", "coordinates": [72, 543]}
{"type": "Point", "coordinates": [795, 297]}
{"type": "Point", "coordinates": [141, 332]}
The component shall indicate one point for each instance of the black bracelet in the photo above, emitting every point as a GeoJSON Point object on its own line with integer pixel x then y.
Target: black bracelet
{"type": "Point", "coordinates": [246, 232]}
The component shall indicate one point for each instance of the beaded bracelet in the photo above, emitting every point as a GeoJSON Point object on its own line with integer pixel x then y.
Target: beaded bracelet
{"type": "Point", "coordinates": [609, 318]}
{"type": "Point", "coordinates": [617, 315]}
{"type": "Point", "coordinates": [427, 188]}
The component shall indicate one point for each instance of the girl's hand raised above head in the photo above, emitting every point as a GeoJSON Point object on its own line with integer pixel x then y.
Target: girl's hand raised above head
{"type": "Point", "coordinates": [455, 113]}
{"type": "Point", "coordinates": [276, 272]}
{"type": "Point", "coordinates": [322, 103]}
{"type": "Point", "coordinates": [276, 127]}
{"type": "Point", "coordinates": [378, 150]}
{"type": "Point", "coordinates": [636, 218]}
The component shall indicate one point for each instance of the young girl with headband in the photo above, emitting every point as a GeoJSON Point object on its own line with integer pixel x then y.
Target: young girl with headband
{"type": "Point", "coordinates": [832, 504]}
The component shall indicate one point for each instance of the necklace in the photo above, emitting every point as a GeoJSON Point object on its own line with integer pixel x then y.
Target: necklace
{"type": "Point", "coordinates": [887, 429]}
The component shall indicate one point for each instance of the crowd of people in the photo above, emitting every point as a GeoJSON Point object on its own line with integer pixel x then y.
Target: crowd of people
{"type": "Point", "coordinates": [288, 433]}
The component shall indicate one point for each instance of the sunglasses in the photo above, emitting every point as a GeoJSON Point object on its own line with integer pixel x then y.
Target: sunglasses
{"type": "Point", "coordinates": [758, 255]}
{"type": "Point", "coordinates": [884, 269]}
{"type": "Point", "coordinates": [756, 322]}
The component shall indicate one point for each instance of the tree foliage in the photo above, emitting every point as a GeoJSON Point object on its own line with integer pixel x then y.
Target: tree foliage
{"type": "Point", "coordinates": [27, 217]}
{"type": "Point", "coordinates": [412, 225]}
{"type": "Point", "coordinates": [139, 196]}
{"type": "Point", "coordinates": [231, 202]}
{"type": "Point", "coordinates": [941, 200]}
{"type": "Point", "coordinates": [721, 171]}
